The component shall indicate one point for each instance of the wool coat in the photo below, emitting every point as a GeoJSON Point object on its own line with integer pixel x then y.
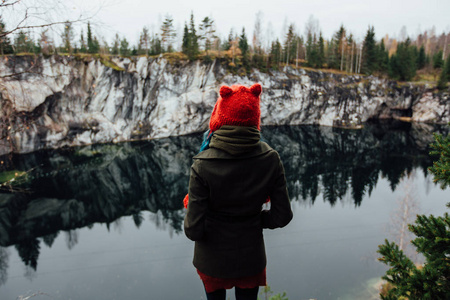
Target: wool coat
{"type": "Point", "coordinates": [229, 183]}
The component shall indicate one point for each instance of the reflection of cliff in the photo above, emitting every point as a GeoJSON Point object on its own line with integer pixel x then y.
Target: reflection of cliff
{"type": "Point", "coordinates": [77, 187]}
{"type": "Point", "coordinates": [336, 161]}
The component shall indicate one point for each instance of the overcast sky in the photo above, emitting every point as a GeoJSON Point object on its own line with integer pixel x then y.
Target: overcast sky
{"type": "Point", "coordinates": [128, 17]}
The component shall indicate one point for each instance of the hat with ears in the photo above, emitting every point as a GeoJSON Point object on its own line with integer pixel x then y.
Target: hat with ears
{"type": "Point", "coordinates": [237, 105]}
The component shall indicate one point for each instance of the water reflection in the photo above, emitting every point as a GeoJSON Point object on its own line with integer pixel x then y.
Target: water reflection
{"type": "Point", "coordinates": [77, 187]}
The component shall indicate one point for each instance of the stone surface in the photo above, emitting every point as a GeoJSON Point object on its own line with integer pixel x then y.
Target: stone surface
{"type": "Point", "coordinates": [67, 101]}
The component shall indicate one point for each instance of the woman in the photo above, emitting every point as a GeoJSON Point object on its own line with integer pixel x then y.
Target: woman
{"type": "Point", "coordinates": [229, 183]}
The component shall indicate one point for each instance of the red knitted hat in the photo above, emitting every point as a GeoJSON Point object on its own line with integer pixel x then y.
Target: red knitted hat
{"type": "Point", "coordinates": [237, 105]}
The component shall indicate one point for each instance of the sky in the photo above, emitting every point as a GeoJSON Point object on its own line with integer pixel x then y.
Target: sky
{"type": "Point", "coordinates": [387, 16]}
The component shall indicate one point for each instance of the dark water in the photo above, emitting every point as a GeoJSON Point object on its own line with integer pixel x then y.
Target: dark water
{"type": "Point", "coordinates": [105, 221]}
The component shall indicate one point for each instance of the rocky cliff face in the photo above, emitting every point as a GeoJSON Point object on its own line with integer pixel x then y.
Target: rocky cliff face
{"type": "Point", "coordinates": [65, 101]}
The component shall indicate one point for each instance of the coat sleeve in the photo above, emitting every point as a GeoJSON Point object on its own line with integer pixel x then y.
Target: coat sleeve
{"type": "Point", "coordinates": [194, 221]}
{"type": "Point", "coordinates": [280, 213]}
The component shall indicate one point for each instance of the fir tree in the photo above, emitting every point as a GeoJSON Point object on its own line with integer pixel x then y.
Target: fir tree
{"type": "Point", "coordinates": [432, 280]}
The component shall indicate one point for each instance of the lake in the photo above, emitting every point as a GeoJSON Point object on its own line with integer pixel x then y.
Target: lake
{"type": "Point", "coordinates": [105, 221]}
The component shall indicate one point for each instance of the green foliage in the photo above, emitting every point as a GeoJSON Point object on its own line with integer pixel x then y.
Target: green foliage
{"type": "Point", "coordinates": [403, 64]}
{"type": "Point", "coordinates": [438, 62]}
{"type": "Point", "coordinates": [445, 75]}
{"type": "Point", "coordinates": [190, 40]}
{"type": "Point", "coordinates": [24, 43]}
{"type": "Point", "coordinates": [441, 167]}
{"type": "Point", "coordinates": [275, 54]}
{"type": "Point", "coordinates": [432, 280]}
{"type": "Point", "coordinates": [124, 50]}
{"type": "Point", "coordinates": [93, 46]}
{"type": "Point", "coordinates": [267, 293]}
{"type": "Point", "coordinates": [116, 45]}
{"type": "Point", "coordinates": [383, 57]}
{"type": "Point", "coordinates": [5, 43]}
{"type": "Point", "coordinates": [370, 53]}
{"type": "Point", "coordinates": [168, 34]}
{"type": "Point", "coordinates": [243, 45]}
{"type": "Point", "coordinates": [421, 58]}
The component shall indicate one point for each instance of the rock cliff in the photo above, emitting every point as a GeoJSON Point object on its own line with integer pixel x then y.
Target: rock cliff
{"type": "Point", "coordinates": [66, 101]}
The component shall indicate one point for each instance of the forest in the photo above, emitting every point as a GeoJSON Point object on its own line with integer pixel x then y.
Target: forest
{"type": "Point", "coordinates": [424, 58]}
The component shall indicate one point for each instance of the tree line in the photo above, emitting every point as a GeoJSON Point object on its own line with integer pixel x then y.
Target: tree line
{"type": "Point", "coordinates": [400, 60]}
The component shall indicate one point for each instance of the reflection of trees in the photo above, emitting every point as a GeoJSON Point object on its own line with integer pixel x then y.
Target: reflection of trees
{"type": "Point", "coordinates": [340, 161]}
{"type": "Point", "coordinates": [78, 187]}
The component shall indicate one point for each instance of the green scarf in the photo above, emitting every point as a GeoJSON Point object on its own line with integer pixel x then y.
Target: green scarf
{"type": "Point", "coordinates": [235, 140]}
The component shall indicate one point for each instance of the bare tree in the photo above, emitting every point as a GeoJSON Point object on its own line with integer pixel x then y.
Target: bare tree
{"type": "Point", "coordinates": [257, 33]}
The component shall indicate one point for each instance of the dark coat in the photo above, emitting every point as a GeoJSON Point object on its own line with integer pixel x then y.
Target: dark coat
{"type": "Point", "coordinates": [224, 216]}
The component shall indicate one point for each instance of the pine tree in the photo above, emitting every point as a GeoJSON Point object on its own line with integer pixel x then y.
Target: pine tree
{"type": "Point", "coordinates": [124, 50]}
{"type": "Point", "coordinates": [23, 43]}
{"type": "Point", "coordinates": [207, 33]}
{"type": "Point", "coordinates": [275, 53]}
{"type": "Point", "coordinates": [243, 45]}
{"type": "Point", "coordinates": [445, 75]}
{"type": "Point", "coordinates": [383, 57]}
{"type": "Point", "coordinates": [402, 64]}
{"type": "Point", "coordinates": [144, 42]}
{"type": "Point", "coordinates": [432, 280]}
{"type": "Point", "coordinates": [5, 43]}
{"type": "Point", "coordinates": [421, 58]}
{"type": "Point", "coordinates": [116, 45]}
{"type": "Point", "coordinates": [83, 46]}
{"type": "Point", "coordinates": [369, 56]}
{"type": "Point", "coordinates": [438, 62]}
{"type": "Point", "coordinates": [321, 52]}
{"type": "Point", "coordinates": [167, 34]}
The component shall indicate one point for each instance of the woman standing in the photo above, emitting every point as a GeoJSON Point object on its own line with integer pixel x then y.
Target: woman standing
{"type": "Point", "coordinates": [229, 183]}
